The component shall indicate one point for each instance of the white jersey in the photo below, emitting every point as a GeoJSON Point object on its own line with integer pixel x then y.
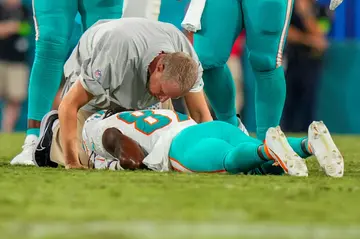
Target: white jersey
{"type": "Point", "coordinates": [153, 130]}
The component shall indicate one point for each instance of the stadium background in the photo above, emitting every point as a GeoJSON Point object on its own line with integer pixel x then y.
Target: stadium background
{"type": "Point", "coordinates": [338, 93]}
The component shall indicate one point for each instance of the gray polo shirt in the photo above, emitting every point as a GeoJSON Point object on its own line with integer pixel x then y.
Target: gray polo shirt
{"type": "Point", "coordinates": [112, 57]}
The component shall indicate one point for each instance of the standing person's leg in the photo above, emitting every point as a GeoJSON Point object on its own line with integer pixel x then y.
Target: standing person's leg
{"type": "Point", "coordinates": [94, 10]}
{"type": "Point", "coordinates": [213, 44]}
{"type": "Point", "coordinates": [17, 77]}
{"type": "Point", "coordinates": [266, 24]}
{"type": "Point", "coordinates": [54, 21]}
{"type": "Point", "coordinates": [293, 76]}
{"type": "Point", "coordinates": [309, 86]}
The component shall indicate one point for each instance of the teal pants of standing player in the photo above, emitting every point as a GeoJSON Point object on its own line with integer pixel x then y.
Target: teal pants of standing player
{"type": "Point", "coordinates": [54, 21]}
{"type": "Point", "coordinates": [266, 23]}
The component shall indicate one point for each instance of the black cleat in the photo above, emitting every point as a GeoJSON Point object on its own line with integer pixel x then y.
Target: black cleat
{"type": "Point", "coordinates": [43, 147]}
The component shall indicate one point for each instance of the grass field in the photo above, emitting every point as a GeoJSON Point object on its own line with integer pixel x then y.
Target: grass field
{"type": "Point", "coordinates": [55, 203]}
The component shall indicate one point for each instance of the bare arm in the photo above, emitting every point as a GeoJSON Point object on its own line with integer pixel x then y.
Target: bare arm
{"type": "Point", "coordinates": [190, 36]}
{"type": "Point", "coordinates": [197, 106]}
{"type": "Point", "coordinates": [314, 36]}
{"type": "Point", "coordinates": [296, 36]}
{"type": "Point", "coordinates": [68, 109]}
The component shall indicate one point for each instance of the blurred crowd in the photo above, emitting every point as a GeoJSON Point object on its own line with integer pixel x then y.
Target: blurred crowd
{"type": "Point", "coordinates": [306, 44]}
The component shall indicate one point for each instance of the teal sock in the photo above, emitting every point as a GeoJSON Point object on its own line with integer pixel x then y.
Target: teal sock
{"type": "Point", "coordinates": [243, 158]}
{"type": "Point", "coordinates": [33, 131]}
{"type": "Point", "coordinates": [300, 146]}
{"type": "Point", "coordinates": [269, 100]}
{"type": "Point", "coordinates": [220, 90]}
{"type": "Point", "coordinates": [262, 153]}
{"type": "Point", "coordinates": [45, 77]}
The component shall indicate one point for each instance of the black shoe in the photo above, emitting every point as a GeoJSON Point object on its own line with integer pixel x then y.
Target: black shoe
{"type": "Point", "coordinates": [43, 147]}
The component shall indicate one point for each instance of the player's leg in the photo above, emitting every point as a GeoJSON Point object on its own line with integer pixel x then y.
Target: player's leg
{"type": "Point", "coordinates": [53, 24]}
{"type": "Point", "coordinates": [209, 148]}
{"type": "Point", "coordinates": [220, 147]}
{"type": "Point", "coordinates": [16, 88]}
{"type": "Point", "coordinates": [320, 144]}
{"type": "Point", "coordinates": [276, 148]}
{"type": "Point", "coordinates": [301, 146]}
{"type": "Point", "coordinates": [266, 24]}
{"type": "Point", "coordinates": [94, 10]}
{"type": "Point", "coordinates": [221, 23]}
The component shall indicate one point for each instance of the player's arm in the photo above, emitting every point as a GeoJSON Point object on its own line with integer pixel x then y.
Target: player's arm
{"type": "Point", "coordinates": [305, 10]}
{"type": "Point", "coordinates": [197, 106]}
{"type": "Point", "coordinates": [313, 36]}
{"type": "Point", "coordinates": [68, 109]}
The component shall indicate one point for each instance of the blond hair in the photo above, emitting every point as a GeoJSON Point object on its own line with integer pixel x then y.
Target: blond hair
{"type": "Point", "coordinates": [181, 68]}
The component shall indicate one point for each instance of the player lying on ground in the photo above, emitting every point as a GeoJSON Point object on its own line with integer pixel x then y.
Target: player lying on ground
{"type": "Point", "coordinates": [208, 147]}
{"type": "Point", "coordinates": [167, 136]}
{"type": "Point", "coordinates": [126, 63]}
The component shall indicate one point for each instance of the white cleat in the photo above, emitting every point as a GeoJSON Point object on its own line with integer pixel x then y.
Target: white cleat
{"type": "Point", "coordinates": [325, 150]}
{"type": "Point", "coordinates": [26, 156]}
{"type": "Point", "coordinates": [283, 154]}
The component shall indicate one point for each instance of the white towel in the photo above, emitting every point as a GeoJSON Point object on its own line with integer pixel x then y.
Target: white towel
{"type": "Point", "coordinates": [192, 20]}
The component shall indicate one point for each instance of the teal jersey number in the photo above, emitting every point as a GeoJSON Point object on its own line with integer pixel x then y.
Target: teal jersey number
{"type": "Point", "coordinates": [147, 122]}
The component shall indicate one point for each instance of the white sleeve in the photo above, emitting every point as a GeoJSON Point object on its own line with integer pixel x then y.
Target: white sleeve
{"type": "Point", "coordinates": [334, 4]}
{"type": "Point", "coordinates": [192, 19]}
{"type": "Point", "coordinates": [95, 73]}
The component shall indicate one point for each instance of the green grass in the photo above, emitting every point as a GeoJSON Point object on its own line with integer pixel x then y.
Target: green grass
{"type": "Point", "coordinates": [55, 203]}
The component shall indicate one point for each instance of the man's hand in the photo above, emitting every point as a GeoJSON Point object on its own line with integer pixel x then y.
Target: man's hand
{"type": "Point", "coordinates": [68, 110]}
{"type": "Point", "coordinates": [334, 4]}
{"type": "Point", "coordinates": [318, 43]}
{"type": "Point", "coordinates": [197, 106]}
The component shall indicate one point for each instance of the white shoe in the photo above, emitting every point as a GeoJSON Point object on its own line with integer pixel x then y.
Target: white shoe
{"type": "Point", "coordinates": [26, 156]}
{"type": "Point", "coordinates": [325, 150]}
{"type": "Point", "coordinates": [242, 127]}
{"type": "Point", "coordinates": [283, 154]}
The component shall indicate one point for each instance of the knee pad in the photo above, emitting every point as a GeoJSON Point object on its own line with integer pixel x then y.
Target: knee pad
{"type": "Point", "coordinates": [261, 61]}
{"type": "Point", "coordinates": [270, 22]}
{"type": "Point", "coordinates": [210, 55]}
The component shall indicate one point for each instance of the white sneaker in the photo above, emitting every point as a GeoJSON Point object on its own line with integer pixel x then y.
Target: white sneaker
{"type": "Point", "coordinates": [26, 156]}
{"type": "Point", "coordinates": [325, 150]}
{"type": "Point", "coordinates": [242, 127]}
{"type": "Point", "coordinates": [283, 154]}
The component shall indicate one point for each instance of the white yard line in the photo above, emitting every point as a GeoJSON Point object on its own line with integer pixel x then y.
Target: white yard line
{"type": "Point", "coordinates": [168, 230]}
